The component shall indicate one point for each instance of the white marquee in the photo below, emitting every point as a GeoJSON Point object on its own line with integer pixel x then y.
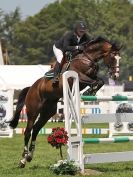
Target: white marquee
{"type": "Point", "coordinates": [20, 76]}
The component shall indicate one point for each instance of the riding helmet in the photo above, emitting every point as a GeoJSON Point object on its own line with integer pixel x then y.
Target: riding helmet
{"type": "Point", "coordinates": [80, 25]}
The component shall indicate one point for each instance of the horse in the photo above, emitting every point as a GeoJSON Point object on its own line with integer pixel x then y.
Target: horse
{"type": "Point", "coordinates": [42, 97]}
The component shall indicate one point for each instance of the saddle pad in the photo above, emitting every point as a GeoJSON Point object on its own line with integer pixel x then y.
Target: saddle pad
{"type": "Point", "coordinates": [49, 74]}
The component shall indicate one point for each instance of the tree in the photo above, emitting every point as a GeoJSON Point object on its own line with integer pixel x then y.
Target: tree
{"type": "Point", "coordinates": [8, 23]}
{"type": "Point", "coordinates": [33, 38]}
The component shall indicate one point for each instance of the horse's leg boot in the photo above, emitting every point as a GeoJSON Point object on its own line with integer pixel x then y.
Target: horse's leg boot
{"type": "Point", "coordinates": [89, 92]}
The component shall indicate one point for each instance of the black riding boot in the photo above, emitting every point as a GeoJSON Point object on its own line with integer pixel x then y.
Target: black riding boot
{"type": "Point", "coordinates": [57, 70]}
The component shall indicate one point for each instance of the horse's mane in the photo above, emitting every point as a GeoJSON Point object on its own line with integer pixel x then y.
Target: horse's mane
{"type": "Point", "coordinates": [98, 40]}
{"type": "Point", "coordinates": [94, 43]}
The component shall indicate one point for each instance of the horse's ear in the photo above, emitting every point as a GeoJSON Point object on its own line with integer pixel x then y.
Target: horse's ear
{"type": "Point", "coordinates": [120, 47]}
{"type": "Point", "coordinates": [116, 46]}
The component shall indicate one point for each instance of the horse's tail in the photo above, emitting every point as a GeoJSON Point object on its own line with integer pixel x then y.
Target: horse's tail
{"type": "Point", "coordinates": [21, 100]}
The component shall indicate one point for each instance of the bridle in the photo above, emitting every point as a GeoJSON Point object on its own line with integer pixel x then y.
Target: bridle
{"type": "Point", "coordinates": [115, 68]}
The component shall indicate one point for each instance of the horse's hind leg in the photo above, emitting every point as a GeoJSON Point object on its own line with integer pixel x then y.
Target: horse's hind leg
{"type": "Point", "coordinates": [27, 135]}
{"type": "Point", "coordinates": [47, 111]}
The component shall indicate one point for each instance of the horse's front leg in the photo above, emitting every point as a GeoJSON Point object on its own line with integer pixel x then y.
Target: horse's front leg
{"type": "Point", "coordinates": [93, 90]}
{"type": "Point", "coordinates": [94, 87]}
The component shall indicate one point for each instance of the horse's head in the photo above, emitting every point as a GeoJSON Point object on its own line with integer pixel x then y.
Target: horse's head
{"type": "Point", "coordinates": [112, 59]}
{"type": "Point", "coordinates": [102, 48]}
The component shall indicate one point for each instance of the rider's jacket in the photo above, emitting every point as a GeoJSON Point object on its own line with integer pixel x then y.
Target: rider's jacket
{"type": "Point", "coordinates": [69, 40]}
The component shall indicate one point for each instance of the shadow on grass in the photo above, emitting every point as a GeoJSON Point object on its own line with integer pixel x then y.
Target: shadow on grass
{"type": "Point", "coordinates": [37, 167]}
{"type": "Point", "coordinates": [112, 167]}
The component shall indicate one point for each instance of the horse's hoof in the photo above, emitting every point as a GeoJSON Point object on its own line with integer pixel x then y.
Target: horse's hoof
{"type": "Point", "coordinates": [21, 165]}
{"type": "Point", "coordinates": [28, 158]}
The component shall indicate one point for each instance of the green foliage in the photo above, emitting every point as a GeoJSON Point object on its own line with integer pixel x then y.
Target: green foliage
{"type": "Point", "coordinates": [31, 40]}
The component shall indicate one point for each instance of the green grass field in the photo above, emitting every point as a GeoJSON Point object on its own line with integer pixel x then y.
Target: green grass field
{"type": "Point", "coordinates": [45, 155]}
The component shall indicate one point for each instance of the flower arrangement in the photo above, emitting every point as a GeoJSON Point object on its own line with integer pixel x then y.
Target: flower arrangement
{"type": "Point", "coordinates": [65, 167]}
{"type": "Point", "coordinates": [57, 138]}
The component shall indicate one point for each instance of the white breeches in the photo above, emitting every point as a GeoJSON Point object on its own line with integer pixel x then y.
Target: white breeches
{"type": "Point", "coordinates": [58, 54]}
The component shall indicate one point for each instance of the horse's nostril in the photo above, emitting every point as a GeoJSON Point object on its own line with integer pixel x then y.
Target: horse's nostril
{"type": "Point", "coordinates": [114, 77]}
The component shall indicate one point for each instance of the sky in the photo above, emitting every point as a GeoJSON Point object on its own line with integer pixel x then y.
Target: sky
{"type": "Point", "coordinates": [28, 7]}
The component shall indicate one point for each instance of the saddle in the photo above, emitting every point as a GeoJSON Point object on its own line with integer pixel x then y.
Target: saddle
{"type": "Point", "coordinates": [66, 60]}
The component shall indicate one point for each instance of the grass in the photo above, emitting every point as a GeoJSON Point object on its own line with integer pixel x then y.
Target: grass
{"type": "Point", "coordinates": [10, 154]}
{"type": "Point", "coordinates": [45, 155]}
{"type": "Point", "coordinates": [61, 124]}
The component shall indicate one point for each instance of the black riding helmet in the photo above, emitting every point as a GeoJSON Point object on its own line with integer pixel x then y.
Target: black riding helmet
{"type": "Point", "coordinates": [80, 26]}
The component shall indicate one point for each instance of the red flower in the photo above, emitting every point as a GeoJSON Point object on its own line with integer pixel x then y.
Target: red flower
{"type": "Point", "coordinates": [58, 137]}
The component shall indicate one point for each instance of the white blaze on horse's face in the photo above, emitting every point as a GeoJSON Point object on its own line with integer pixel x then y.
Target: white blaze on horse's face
{"type": "Point", "coordinates": [117, 57]}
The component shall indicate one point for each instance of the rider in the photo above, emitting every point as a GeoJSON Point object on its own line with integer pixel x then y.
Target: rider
{"type": "Point", "coordinates": [70, 41]}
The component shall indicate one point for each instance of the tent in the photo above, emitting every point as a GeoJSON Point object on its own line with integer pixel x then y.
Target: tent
{"type": "Point", "coordinates": [20, 76]}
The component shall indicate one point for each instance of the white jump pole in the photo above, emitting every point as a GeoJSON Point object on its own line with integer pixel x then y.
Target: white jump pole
{"type": "Point", "coordinates": [72, 112]}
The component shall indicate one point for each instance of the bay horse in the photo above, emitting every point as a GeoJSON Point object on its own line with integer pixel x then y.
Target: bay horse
{"type": "Point", "coordinates": [42, 97]}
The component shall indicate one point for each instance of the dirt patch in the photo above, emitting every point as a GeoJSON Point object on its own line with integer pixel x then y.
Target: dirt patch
{"type": "Point", "coordinates": [91, 172]}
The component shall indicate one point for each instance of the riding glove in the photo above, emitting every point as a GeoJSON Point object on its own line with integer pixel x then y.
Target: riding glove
{"type": "Point", "coordinates": [80, 47]}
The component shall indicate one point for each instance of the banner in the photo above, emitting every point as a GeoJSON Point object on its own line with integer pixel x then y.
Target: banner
{"type": "Point", "coordinates": [6, 112]}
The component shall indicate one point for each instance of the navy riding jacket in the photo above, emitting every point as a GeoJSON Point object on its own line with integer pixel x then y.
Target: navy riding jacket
{"type": "Point", "coordinates": [69, 40]}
